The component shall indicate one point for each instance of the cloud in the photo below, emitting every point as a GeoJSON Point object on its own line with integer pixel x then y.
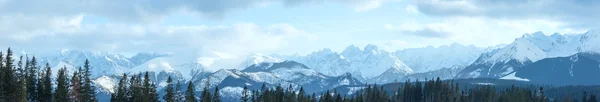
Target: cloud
{"type": "Point", "coordinates": [479, 31]}
{"type": "Point", "coordinates": [357, 5]}
{"type": "Point", "coordinates": [421, 30]}
{"type": "Point", "coordinates": [576, 13]}
{"type": "Point", "coordinates": [221, 42]}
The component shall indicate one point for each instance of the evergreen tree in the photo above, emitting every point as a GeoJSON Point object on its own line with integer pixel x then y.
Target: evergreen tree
{"type": "Point", "coordinates": [32, 79]}
{"type": "Point", "coordinates": [178, 93]}
{"type": "Point", "coordinates": [88, 90]}
{"type": "Point", "coordinates": [216, 96]}
{"type": "Point", "coordinates": [245, 95]}
{"type": "Point", "coordinates": [45, 88]}
{"type": "Point", "coordinates": [75, 87]}
{"type": "Point", "coordinates": [170, 92]}
{"type": "Point", "coordinates": [206, 96]}
{"type": "Point", "coordinates": [121, 95]}
{"type": "Point", "coordinates": [592, 98]}
{"type": "Point", "coordinates": [584, 97]}
{"type": "Point", "coordinates": [190, 93]}
{"type": "Point", "coordinates": [148, 95]}
{"type": "Point", "coordinates": [8, 87]}
{"type": "Point", "coordinates": [22, 89]}
{"type": "Point", "coordinates": [136, 88]}
{"type": "Point", "coordinates": [62, 86]}
{"type": "Point", "coordinates": [302, 95]}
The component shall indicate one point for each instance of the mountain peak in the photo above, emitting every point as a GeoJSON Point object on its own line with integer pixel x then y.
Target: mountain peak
{"type": "Point", "coordinates": [371, 47]}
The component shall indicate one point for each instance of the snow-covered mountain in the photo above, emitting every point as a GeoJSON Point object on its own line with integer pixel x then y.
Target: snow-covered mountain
{"type": "Point", "coordinates": [280, 73]}
{"type": "Point", "coordinates": [102, 63]}
{"type": "Point", "coordinates": [373, 65]}
{"type": "Point", "coordinates": [528, 49]}
{"type": "Point", "coordinates": [435, 58]}
{"type": "Point", "coordinates": [578, 69]}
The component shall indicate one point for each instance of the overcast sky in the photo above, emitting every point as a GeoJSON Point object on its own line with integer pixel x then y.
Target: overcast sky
{"type": "Point", "coordinates": [231, 29]}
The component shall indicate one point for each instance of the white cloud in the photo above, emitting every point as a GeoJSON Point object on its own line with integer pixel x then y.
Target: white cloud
{"type": "Point", "coordinates": [479, 31]}
{"type": "Point", "coordinates": [573, 13]}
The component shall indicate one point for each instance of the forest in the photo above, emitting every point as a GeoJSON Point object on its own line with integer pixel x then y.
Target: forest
{"type": "Point", "coordinates": [23, 80]}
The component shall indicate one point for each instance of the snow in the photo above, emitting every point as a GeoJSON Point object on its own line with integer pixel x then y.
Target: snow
{"type": "Point", "coordinates": [106, 83]}
{"type": "Point", "coordinates": [513, 77]}
{"type": "Point", "coordinates": [435, 58]}
{"type": "Point", "coordinates": [484, 83]}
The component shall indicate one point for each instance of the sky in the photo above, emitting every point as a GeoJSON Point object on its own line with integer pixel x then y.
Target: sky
{"type": "Point", "coordinates": [232, 29]}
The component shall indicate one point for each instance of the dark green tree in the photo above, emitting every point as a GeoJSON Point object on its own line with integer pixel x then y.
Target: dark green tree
{"type": "Point", "coordinates": [170, 92]}
{"type": "Point", "coordinates": [205, 95]}
{"type": "Point", "coordinates": [45, 89]}
{"type": "Point", "coordinates": [8, 87]}
{"type": "Point", "coordinates": [245, 95]}
{"type": "Point", "coordinates": [61, 93]}
{"type": "Point", "coordinates": [88, 90]}
{"type": "Point", "coordinates": [32, 79]}
{"type": "Point", "coordinates": [217, 95]}
{"type": "Point", "coordinates": [190, 93]}
{"type": "Point", "coordinates": [75, 84]}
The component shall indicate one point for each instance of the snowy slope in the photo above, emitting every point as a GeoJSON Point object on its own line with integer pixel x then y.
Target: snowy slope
{"type": "Point", "coordinates": [434, 58]}
{"type": "Point", "coordinates": [528, 49]}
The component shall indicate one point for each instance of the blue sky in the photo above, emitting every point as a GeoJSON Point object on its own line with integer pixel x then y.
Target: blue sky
{"type": "Point", "coordinates": [232, 29]}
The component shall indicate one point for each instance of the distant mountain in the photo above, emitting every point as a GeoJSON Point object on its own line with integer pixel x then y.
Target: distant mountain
{"type": "Point", "coordinates": [373, 65]}
{"type": "Point", "coordinates": [435, 58]}
{"type": "Point", "coordinates": [529, 49]}
{"type": "Point", "coordinates": [578, 69]}
{"type": "Point", "coordinates": [280, 73]}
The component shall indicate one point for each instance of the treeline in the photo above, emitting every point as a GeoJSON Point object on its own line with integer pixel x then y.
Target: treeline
{"type": "Point", "coordinates": [428, 91]}
{"type": "Point", "coordinates": [140, 89]}
{"type": "Point", "coordinates": [26, 81]}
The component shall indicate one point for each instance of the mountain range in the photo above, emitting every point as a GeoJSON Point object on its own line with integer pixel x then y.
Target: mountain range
{"type": "Point", "coordinates": [558, 59]}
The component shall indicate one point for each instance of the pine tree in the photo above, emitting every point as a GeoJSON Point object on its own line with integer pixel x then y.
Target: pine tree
{"type": "Point", "coordinates": [593, 98]}
{"type": "Point", "coordinates": [302, 95]}
{"type": "Point", "coordinates": [74, 93]}
{"type": "Point", "coordinates": [170, 92]}
{"type": "Point", "coordinates": [22, 89]}
{"type": "Point", "coordinates": [121, 95]}
{"type": "Point", "coordinates": [153, 93]}
{"type": "Point", "coordinates": [136, 88]}
{"type": "Point", "coordinates": [584, 98]}
{"type": "Point", "coordinates": [32, 79]}
{"type": "Point", "coordinates": [206, 96]}
{"type": "Point", "coordinates": [178, 93]}
{"type": "Point", "coordinates": [45, 88]}
{"type": "Point", "coordinates": [88, 90]}
{"type": "Point", "coordinates": [62, 86]}
{"type": "Point", "coordinates": [149, 90]}
{"type": "Point", "coordinates": [217, 95]}
{"type": "Point", "coordinates": [190, 93]}
{"type": "Point", "coordinates": [245, 95]}
{"type": "Point", "coordinates": [8, 87]}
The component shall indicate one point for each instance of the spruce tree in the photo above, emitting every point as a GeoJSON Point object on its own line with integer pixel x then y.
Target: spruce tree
{"type": "Point", "coordinates": [217, 95]}
{"type": "Point", "coordinates": [178, 93]}
{"type": "Point", "coordinates": [8, 87]}
{"type": "Point", "coordinates": [245, 95]}
{"type": "Point", "coordinates": [206, 96]}
{"type": "Point", "coordinates": [62, 86]}
{"type": "Point", "coordinates": [22, 89]}
{"type": "Point", "coordinates": [593, 98]}
{"type": "Point", "coordinates": [190, 93]}
{"type": "Point", "coordinates": [122, 90]}
{"type": "Point", "coordinates": [32, 79]}
{"type": "Point", "coordinates": [147, 95]}
{"type": "Point", "coordinates": [88, 90]}
{"type": "Point", "coordinates": [170, 92]}
{"type": "Point", "coordinates": [45, 88]}
{"type": "Point", "coordinates": [74, 93]}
